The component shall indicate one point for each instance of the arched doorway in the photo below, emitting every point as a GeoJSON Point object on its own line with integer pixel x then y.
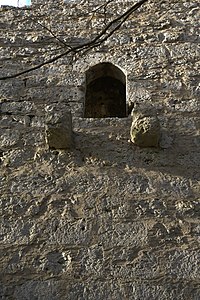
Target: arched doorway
{"type": "Point", "coordinates": [105, 92]}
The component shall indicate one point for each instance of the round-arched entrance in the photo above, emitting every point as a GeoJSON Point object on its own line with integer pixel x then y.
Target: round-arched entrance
{"type": "Point", "coordinates": [105, 92]}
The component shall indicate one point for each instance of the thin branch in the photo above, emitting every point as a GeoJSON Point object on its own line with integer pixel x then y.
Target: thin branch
{"type": "Point", "coordinates": [102, 6]}
{"type": "Point", "coordinates": [99, 39]}
{"type": "Point", "coordinates": [94, 11]}
{"type": "Point", "coordinates": [53, 34]}
{"type": "Point", "coordinates": [56, 37]}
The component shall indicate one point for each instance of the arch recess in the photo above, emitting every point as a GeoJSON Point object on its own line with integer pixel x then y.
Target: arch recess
{"type": "Point", "coordinates": [105, 92]}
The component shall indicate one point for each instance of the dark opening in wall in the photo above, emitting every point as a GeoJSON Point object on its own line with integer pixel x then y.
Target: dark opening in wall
{"type": "Point", "coordinates": [105, 92]}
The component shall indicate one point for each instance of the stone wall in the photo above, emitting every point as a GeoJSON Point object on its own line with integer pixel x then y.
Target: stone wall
{"type": "Point", "coordinates": [104, 219]}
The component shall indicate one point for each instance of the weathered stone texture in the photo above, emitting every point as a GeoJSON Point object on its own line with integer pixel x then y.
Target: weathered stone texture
{"type": "Point", "coordinates": [145, 130]}
{"type": "Point", "coordinates": [106, 219]}
{"type": "Point", "coordinates": [59, 133]}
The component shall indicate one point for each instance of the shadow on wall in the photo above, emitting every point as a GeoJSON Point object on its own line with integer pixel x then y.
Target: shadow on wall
{"type": "Point", "coordinates": [109, 144]}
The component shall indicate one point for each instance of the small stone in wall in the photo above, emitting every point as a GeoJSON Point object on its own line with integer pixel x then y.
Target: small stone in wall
{"type": "Point", "coordinates": [145, 130]}
{"type": "Point", "coordinates": [59, 133]}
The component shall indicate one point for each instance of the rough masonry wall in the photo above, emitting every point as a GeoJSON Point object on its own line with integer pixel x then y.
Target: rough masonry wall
{"type": "Point", "coordinates": [106, 219]}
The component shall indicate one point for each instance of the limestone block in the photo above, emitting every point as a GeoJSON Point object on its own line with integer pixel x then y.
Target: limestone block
{"type": "Point", "coordinates": [59, 133]}
{"type": "Point", "coordinates": [145, 130]}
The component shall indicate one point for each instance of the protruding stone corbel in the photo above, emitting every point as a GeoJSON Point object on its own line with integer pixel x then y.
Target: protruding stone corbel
{"type": "Point", "coordinates": [145, 129]}
{"type": "Point", "coordinates": [59, 134]}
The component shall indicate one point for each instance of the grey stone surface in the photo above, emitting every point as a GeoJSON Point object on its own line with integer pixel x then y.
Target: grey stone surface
{"type": "Point", "coordinates": [108, 219]}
